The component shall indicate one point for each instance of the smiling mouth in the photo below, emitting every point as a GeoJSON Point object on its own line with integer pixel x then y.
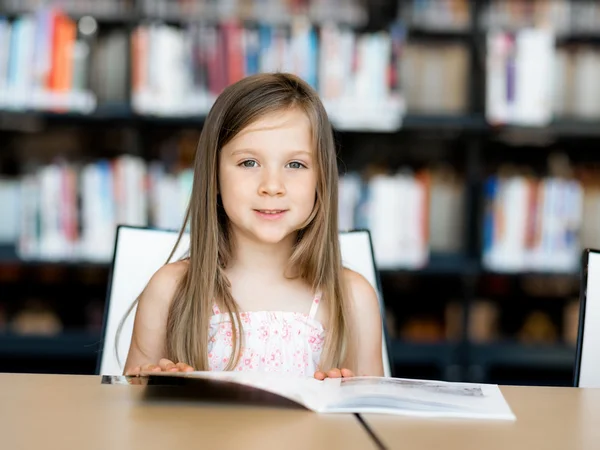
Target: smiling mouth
{"type": "Point", "coordinates": [270, 211]}
{"type": "Point", "coordinates": [270, 214]}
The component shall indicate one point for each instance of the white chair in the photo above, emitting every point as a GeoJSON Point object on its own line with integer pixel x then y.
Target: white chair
{"type": "Point", "coordinates": [139, 252]}
{"type": "Point", "coordinates": [587, 360]}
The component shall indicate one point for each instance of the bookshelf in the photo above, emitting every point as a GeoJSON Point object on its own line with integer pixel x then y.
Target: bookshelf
{"type": "Point", "coordinates": [430, 338]}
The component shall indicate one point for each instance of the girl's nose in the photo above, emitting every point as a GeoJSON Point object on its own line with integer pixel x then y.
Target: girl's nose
{"type": "Point", "coordinates": [272, 183]}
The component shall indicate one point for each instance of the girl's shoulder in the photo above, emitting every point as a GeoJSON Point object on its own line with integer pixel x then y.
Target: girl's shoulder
{"type": "Point", "coordinates": [361, 293]}
{"type": "Point", "coordinates": [357, 284]}
{"type": "Point", "coordinates": [170, 273]}
{"type": "Point", "coordinates": [163, 283]}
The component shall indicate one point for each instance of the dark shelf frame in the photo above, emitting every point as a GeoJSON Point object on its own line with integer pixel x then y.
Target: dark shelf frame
{"type": "Point", "coordinates": [473, 124]}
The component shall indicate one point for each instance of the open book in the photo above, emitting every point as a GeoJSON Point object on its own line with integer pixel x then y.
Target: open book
{"type": "Point", "coordinates": [424, 398]}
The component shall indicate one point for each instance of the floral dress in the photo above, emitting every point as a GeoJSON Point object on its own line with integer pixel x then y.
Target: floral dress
{"type": "Point", "coordinates": [274, 341]}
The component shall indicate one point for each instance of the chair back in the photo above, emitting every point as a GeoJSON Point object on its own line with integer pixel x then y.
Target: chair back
{"type": "Point", "coordinates": [587, 360]}
{"type": "Point", "coordinates": [139, 252]}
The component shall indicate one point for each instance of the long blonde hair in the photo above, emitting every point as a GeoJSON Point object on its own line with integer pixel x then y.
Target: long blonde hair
{"type": "Point", "coordinates": [316, 255]}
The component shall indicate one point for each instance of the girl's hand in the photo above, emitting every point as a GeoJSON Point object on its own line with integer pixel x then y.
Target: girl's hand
{"type": "Point", "coordinates": [334, 373]}
{"type": "Point", "coordinates": [164, 365]}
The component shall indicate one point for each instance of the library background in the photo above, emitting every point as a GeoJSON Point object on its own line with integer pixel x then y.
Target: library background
{"type": "Point", "coordinates": [466, 131]}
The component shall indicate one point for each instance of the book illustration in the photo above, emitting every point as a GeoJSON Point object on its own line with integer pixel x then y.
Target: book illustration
{"type": "Point", "coordinates": [438, 388]}
{"type": "Point", "coordinates": [390, 404]}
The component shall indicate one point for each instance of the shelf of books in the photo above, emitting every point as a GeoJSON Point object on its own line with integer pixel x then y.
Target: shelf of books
{"type": "Point", "coordinates": [228, 42]}
{"type": "Point", "coordinates": [471, 158]}
{"type": "Point", "coordinates": [178, 70]}
{"type": "Point", "coordinates": [66, 211]}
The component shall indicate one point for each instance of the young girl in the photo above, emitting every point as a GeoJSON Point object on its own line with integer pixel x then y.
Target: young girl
{"type": "Point", "coordinates": [263, 288]}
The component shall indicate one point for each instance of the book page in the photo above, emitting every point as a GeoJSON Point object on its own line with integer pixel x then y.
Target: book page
{"type": "Point", "coordinates": [418, 398]}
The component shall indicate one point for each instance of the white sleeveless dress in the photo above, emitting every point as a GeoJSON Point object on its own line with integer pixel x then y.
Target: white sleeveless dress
{"type": "Point", "coordinates": [274, 341]}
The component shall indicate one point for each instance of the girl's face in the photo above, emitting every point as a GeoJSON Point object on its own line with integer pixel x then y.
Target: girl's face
{"type": "Point", "coordinates": [267, 177]}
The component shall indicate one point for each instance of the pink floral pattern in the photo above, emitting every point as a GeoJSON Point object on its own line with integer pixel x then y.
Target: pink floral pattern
{"type": "Point", "coordinates": [274, 341]}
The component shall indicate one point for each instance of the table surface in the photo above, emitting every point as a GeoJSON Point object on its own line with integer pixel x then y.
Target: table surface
{"type": "Point", "coordinates": [79, 412]}
{"type": "Point", "coordinates": [547, 418]}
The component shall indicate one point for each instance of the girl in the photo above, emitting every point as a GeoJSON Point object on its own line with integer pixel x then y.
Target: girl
{"type": "Point", "coordinates": [263, 288]}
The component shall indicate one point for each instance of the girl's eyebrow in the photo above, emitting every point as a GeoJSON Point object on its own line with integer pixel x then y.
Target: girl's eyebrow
{"type": "Point", "coordinates": [301, 152]}
{"type": "Point", "coordinates": [240, 151]}
{"type": "Point", "coordinates": [254, 151]}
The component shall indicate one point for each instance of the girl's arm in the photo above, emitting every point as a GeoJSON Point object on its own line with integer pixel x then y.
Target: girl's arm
{"type": "Point", "coordinates": [147, 346]}
{"type": "Point", "coordinates": [365, 328]}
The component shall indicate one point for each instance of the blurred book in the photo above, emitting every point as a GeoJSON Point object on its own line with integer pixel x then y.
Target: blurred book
{"type": "Point", "coordinates": [576, 84]}
{"type": "Point", "coordinates": [447, 211]}
{"type": "Point", "coordinates": [434, 78]}
{"type": "Point", "coordinates": [532, 224]}
{"type": "Point", "coordinates": [9, 199]}
{"type": "Point", "coordinates": [44, 63]}
{"type": "Point", "coordinates": [519, 80]}
{"type": "Point", "coordinates": [409, 215]}
{"type": "Point", "coordinates": [70, 211]}
{"type": "Point", "coordinates": [354, 79]}
{"type": "Point", "coordinates": [109, 78]}
{"type": "Point", "coordinates": [590, 229]}
{"type": "Point", "coordinates": [181, 71]}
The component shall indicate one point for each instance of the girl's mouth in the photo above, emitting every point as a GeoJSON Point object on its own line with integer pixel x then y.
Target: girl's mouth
{"type": "Point", "coordinates": [270, 214]}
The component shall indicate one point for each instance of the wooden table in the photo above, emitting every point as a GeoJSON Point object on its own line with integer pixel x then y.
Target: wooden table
{"type": "Point", "coordinates": [78, 412]}
{"type": "Point", "coordinates": [547, 418]}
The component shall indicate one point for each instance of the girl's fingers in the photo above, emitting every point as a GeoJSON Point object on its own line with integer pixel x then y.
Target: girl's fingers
{"type": "Point", "coordinates": [151, 368]}
{"type": "Point", "coordinates": [167, 365]}
{"type": "Point", "coordinates": [347, 373]}
{"type": "Point", "coordinates": [334, 373]}
{"type": "Point", "coordinates": [183, 367]}
{"type": "Point", "coordinates": [133, 371]}
{"type": "Point", "coordinates": [164, 365]}
{"type": "Point", "coordinates": [320, 375]}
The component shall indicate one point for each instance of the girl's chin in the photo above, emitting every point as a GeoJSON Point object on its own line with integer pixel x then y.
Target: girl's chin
{"type": "Point", "coordinates": [271, 235]}
{"type": "Point", "coordinates": [275, 237]}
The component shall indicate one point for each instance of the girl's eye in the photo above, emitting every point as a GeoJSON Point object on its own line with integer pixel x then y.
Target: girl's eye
{"type": "Point", "coordinates": [248, 163]}
{"type": "Point", "coordinates": [296, 165]}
